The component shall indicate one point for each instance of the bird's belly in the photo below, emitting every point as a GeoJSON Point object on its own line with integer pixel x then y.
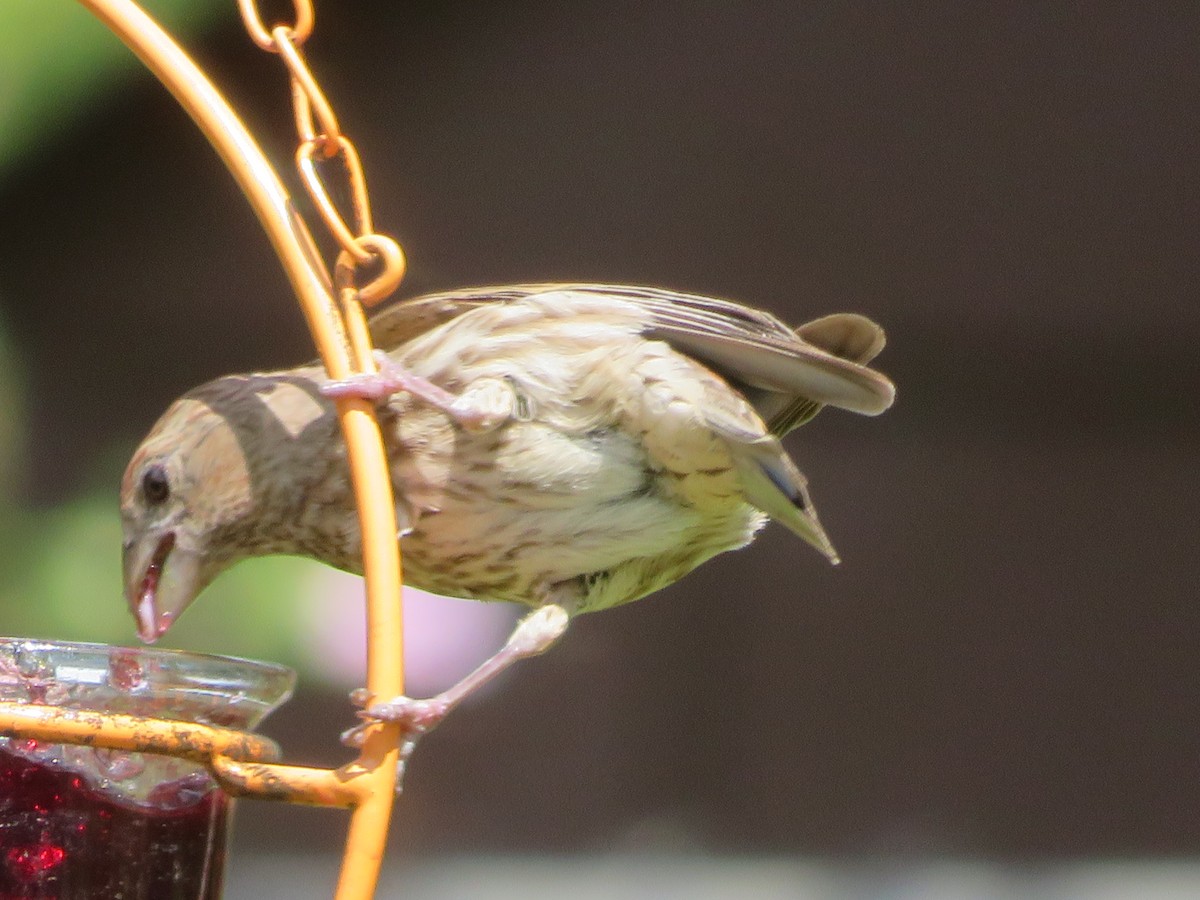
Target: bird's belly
{"type": "Point", "coordinates": [543, 509]}
{"type": "Point", "coordinates": [519, 558]}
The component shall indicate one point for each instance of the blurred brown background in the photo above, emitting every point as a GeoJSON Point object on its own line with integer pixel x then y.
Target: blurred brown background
{"type": "Point", "coordinates": [1005, 664]}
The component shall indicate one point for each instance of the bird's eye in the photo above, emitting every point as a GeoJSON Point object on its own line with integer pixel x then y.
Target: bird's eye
{"type": "Point", "coordinates": [155, 487]}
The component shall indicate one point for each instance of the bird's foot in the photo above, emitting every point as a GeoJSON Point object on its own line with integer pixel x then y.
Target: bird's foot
{"type": "Point", "coordinates": [484, 405]}
{"type": "Point", "coordinates": [391, 378]}
{"type": "Point", "coordinates": [415, 717]}
{"type": "Point", "coordinates": [533, 635]}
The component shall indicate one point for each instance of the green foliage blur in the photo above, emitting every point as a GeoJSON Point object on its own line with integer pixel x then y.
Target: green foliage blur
{"type": "Point", "coordinates": [60, 572]}
{"type": "Point", "coordinates": [56, 59]}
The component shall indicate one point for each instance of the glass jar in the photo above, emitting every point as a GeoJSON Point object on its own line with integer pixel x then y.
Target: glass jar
{"type": "Point", "coordinates": [80, 822]}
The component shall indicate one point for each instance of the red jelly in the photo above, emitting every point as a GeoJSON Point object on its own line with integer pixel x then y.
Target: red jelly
{"type": "Point", "coordinates": [61, 839]}
{"type": "Point", "coordinates": [81, 822]}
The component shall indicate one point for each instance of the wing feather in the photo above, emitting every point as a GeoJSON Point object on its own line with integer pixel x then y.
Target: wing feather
{"type": "Point", "coordinates": [788, 375]}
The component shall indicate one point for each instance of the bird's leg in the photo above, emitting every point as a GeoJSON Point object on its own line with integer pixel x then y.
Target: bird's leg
{"type": "Point", "coordinates": [483, 406]}
{"type": "Point", "coordinates": [534, 634]}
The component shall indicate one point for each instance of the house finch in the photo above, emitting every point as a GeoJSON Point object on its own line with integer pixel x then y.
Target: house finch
{"type": "Point", "coordinates": [570, 447]}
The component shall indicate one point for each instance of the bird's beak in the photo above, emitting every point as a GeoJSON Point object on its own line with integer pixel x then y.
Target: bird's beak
{"type": "Point", "coordinates": [161, 579]}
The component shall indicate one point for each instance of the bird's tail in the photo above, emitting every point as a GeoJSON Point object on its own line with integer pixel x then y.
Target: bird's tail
{"type": "Point", "coordinates": [771, 482]}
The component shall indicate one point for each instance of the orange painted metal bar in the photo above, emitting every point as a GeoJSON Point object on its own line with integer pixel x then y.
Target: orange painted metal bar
{"type": "Point", "coordinates": [289, 784]}
{"type": "Point", "coordinates": [137, 734]}
{"type": "Point", "coordinates": [368, 784]}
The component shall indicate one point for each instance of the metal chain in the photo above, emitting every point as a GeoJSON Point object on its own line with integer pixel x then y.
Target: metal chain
{"type": "Point", "coordinates": [321, 140]}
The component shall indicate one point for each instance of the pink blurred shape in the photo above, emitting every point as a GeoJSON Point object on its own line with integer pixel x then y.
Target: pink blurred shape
{"type": "Point", "coordinates": [444, 638]}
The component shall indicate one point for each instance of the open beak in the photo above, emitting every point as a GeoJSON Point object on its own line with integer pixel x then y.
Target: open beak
{"type": "Point", "coordinates": [161, 579]}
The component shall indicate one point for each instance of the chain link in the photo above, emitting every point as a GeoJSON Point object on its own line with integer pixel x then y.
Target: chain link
{"type": "Point", "coordinates": [298, 32]}
{"type": "Point", "coordinates": [311, 176]}
{"type": "Point", "coordinates": [321, 140]}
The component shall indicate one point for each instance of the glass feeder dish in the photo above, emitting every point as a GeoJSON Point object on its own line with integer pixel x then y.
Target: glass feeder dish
{"type": "Point", "coordinates": [82, 822]}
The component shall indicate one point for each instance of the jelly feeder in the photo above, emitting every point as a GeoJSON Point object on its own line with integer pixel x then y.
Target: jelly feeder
{"type": "Point", "coordinates": [117, 764]}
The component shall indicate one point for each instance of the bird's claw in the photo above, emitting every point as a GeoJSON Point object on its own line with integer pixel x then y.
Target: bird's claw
{"type": "Point", "coordinates": [354, 738]}
{"type": "Point", "coordinates": [481, 408]}
{"type": "Point", "coordinates": [415, 717]}
{"type": "Point", "coordinates": [373, 386]}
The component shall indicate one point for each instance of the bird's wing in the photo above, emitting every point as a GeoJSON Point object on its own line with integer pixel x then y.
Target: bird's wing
{"type": "Point", "coordinates": [780, 368]}
{"type": "Point", "coordinates": [401, 322]}
{"type": "Point", "coordinates": [788, 375]}
{"type": "Point", "coordinates": [847, 336]}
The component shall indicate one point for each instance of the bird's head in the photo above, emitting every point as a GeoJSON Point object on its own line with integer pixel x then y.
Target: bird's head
{"type": "Point", "coordinates": [183, 493]}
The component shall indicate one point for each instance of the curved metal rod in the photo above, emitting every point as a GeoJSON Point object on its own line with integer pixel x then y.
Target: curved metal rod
{"type": "Point", "coordinates": [137, 734]}
{"type": "Point", "coordinates": [374, 774]}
